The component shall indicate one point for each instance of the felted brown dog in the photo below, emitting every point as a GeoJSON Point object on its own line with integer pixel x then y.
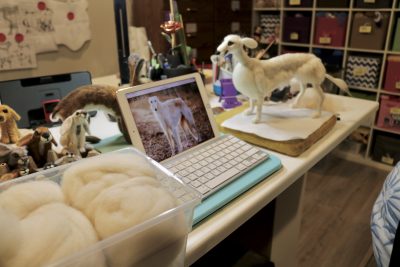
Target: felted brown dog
{"type": "Point", "coordinates": [38, 144]}
{"type": "Point", "coordinates": [8, 125]}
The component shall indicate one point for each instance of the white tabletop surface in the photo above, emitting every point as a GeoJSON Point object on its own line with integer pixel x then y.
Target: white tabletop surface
{"type": "Point", "coordinates": [352, 111]}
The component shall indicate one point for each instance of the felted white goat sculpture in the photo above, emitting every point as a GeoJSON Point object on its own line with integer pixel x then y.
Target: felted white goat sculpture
{"type": "Point", "coordinates": [257, 79]}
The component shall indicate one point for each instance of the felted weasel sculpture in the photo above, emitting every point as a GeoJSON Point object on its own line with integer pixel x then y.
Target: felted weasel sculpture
{"type": "Point", "coordinates": [89, 97]}
{"type": "Point", "coordinates": [38, 144]}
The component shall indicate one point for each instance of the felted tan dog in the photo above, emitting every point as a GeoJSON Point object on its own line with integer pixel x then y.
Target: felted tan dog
{"type": "Point", "coordinates": [8, 125]}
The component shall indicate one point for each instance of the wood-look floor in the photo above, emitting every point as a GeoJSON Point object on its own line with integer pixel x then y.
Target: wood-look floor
{"type": "Point", "coordinates": [335, 228]}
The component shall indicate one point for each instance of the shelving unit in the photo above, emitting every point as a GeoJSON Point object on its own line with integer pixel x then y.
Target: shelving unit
{"type": "Point", "coordinates": [310, 46]}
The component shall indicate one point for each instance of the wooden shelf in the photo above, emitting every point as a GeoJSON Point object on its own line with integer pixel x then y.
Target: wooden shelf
{"type": "Point", "coordinates": [384, 92]}
{"type": "Point", "coordinates": [386, 130]}
{"type": "Point", "coordinates": [371, 90]}
{"type": "Point", "coordinates": [394, 13]}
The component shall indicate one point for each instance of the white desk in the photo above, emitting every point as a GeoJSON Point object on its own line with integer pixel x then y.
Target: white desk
{"type": "Point", "coordinates": [286, 186]}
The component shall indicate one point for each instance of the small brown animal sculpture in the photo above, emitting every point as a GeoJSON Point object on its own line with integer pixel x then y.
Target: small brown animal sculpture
{"type": "Point", "coordinates": [8, 125]}
{"type": "Point", "coordinates": [90, 97]}
{"type": "Point", "coordinates": [14, 156]}
{"type": "Point", "coordinates": [38, 144]}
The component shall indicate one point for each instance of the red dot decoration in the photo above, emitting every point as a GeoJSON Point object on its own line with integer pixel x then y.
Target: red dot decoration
{"type": "Point", "coordinates": [19, 37]}
{"type": "Point", "coordinates": [71, 15]}
{"type": "Point", "coordinates": [41, 5]}
{"type": "Point", "coordinates": [3, 37]}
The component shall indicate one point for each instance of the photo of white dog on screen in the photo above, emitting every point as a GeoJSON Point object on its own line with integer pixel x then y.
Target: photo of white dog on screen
{"type": "Point", "coordinates": [174, 115]}
{"type": "Point", "coordinates": [170, 121]}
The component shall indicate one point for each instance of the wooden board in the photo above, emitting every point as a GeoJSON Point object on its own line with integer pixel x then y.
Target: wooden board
{"type": "Point", "coordinates": [291, 147]}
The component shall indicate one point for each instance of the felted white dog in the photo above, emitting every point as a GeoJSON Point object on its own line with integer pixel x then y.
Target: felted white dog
{"type": "Point", "coordinates": [257, 79]}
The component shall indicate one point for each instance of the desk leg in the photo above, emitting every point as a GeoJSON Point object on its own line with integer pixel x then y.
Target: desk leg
{"type": "Point", "coordinates": [286, 227]}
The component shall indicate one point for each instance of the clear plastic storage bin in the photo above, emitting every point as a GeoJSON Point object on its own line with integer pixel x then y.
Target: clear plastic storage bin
{"type": "Point", "coordinates": [159, 241]}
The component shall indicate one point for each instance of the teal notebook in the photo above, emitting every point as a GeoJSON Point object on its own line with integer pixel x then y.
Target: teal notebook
{"type": "Point", "coordinates": [235, 188]}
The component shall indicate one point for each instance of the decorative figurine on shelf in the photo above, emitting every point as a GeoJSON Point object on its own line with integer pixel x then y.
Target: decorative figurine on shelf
{"type": "Point", "coordinates": [257, 79]}
{"type": "Point", "coordinates": [9, 129]}
{"type": "Point", "coordinates": [73, 132]}
{"type": "Point", "coordinates": [39, 144]}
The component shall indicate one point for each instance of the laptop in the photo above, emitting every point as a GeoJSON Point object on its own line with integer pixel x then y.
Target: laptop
{"type": "Point", "coordinates": [172, 122]}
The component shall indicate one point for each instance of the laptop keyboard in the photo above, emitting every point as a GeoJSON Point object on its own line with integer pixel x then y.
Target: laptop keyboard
{"type": "Point", "coordinates": [216, 163]}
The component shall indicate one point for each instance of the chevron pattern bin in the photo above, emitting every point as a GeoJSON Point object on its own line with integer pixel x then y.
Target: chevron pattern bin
{"type": "Point", "coordinates": [363, 72]}
{"type": "Point", "coordinates": [270, 25]}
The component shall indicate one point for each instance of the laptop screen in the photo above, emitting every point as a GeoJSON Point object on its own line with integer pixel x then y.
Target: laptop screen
{"type": "Point", "coordinates": [170, 118]}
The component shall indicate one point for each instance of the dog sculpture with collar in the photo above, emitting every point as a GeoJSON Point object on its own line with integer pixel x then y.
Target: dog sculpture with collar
{"type": "Point", "coordinates": [38, 144]}
{"type": "Point", "coordinates": [257, 79]}
{"type": "Point", "coordinates": [8, 125]}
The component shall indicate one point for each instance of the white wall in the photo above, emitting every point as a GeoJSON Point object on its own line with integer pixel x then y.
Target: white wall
{"type": "Point", "coordinates": [99, 55]}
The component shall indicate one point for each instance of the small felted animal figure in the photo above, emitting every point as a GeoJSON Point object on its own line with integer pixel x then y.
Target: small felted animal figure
{"type": "Point", "coordinates": [73, 131]}
{"type": "Point", "coordinates": [14, 156]}
{"type": "Point", "coordinates": [38, 144]}
{"type": "Point", "coordinates": [8, 125]}
{"type": "Point", "coordinates": [16, 160]}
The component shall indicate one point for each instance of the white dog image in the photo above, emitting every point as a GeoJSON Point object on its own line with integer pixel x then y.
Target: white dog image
{"type": "Point", "coordinates": [173, 115]}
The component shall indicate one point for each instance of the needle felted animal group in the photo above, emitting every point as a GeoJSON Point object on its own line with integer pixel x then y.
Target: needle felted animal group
{"type": "Point", "coordinates": [34, 151]}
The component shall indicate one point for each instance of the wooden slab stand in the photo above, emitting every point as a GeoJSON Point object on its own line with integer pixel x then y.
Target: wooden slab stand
{"type": "Point", "coordinates": [291, 147]}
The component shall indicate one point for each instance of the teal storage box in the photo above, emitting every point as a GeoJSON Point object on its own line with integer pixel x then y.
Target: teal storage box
{"type": "Point", "coordinates": [396, 38]}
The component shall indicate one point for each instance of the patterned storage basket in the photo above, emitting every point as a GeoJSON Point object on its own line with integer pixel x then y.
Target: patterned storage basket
{"type": "Point", "coordinates": [270, 25]}
{"type": "Point", "coordinates": [363, 72]}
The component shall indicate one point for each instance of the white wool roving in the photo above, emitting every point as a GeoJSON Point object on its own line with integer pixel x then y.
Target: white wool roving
{"type": "Point", "coordinates": [131, 203]}
{"type": "Point", "coordinates": [83, 181]}
{"type": "Point", "coordinates": [21, 199]}
{"type": "Point", "coordinates": [53, 232]}
{"type": "Point", "coordinates": [10, 233]}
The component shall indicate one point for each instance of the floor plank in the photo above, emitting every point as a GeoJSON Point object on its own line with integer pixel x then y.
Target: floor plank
{"type": "Point", "coordinates": [335, 229]}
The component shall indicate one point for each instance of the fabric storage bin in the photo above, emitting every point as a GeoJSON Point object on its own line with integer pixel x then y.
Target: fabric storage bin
{"type": "Point", "coordinates": [396, 37]}
{"type": "Point", "coordinates": [270, 26]}
{"type": "Point", "coordinates": [392, 76]}
{"type": "Point", "coordinates": [330, 3]}
{"type": "Point", "coordinates": [368, 30]}
{"type": "Point", "coordinates": [386, 149]}
{"type": "Point", "coordinates": [330, 29]}
{"type": "Point", "coordinates": [150, 240]}
{"type": "Point", "coordinates": [373, 3]}
{"type": "Point", "coordinates": [363, 72]}
{"type": "Point", "coordinates": [296, 28]}
{"type": "Point", "coordinates": [332, 59]}
{"type": "Point", "coordinates": [267, 3]}
{"type": "Point", "coordinates": [389, 113]}
{"type": "Point", "coordinates": [298, 3]}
